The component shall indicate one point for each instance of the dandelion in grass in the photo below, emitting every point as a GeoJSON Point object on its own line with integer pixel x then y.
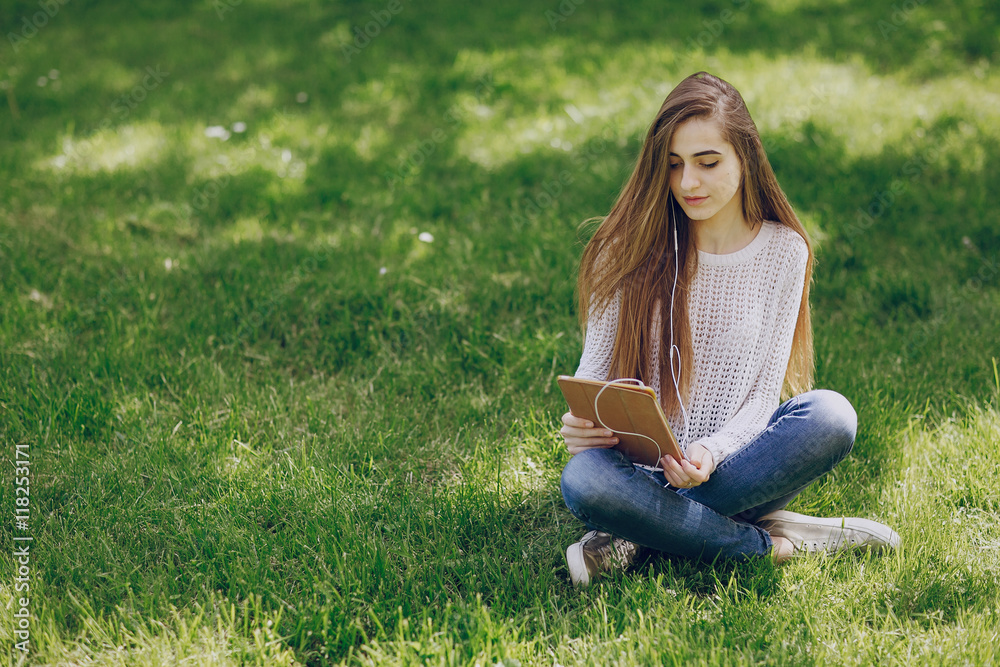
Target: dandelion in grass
{"type": "Point", "coordinates": [39, 297]}
{"type": "Point", "coordinates": [217, 132]}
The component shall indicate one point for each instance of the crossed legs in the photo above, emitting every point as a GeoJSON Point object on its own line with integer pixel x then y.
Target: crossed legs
{"type": "Point", "coordinates": [805, 438]}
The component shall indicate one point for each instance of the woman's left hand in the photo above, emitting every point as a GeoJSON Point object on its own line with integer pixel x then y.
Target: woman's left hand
{"type": "Point", "coordinates": [696, 470]}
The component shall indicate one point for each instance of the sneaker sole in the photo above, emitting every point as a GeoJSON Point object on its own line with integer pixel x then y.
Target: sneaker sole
{"type": "Point", "coordinates": [578, 572]}
{"type": "Point", "coordinates": [810, 528]}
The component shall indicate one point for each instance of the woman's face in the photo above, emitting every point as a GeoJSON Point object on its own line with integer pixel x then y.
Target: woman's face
{"type": "Point", "coordinates": [705, 172]}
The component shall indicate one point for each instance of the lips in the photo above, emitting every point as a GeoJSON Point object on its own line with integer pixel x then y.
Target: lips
{"type": "Point", "coordinates": [694, 201]}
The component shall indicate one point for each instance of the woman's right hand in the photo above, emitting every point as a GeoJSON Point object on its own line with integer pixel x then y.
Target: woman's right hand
{"type": "Point", "coordinates": [580, 434]}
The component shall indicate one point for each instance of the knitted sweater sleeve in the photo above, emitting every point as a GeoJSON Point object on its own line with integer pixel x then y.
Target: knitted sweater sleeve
{"type": "Point", "coordinates": [763, 398]}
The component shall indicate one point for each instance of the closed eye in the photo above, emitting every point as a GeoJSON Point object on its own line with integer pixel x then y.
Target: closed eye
{"type": "Point", "coordinates": [675, 165]}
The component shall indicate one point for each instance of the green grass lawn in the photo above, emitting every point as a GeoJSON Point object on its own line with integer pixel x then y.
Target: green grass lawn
{"type": "Point", "coordinates": [287, 387]}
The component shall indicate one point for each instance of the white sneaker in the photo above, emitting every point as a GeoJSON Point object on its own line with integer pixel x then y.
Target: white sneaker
{"type": "Point", "coordinates": [597, 552]}
{"type": "Point", "coordinates": [809, 534]}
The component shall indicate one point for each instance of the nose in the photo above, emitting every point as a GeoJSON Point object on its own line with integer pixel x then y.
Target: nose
{"type": "Point", "coordinates": [689, 180]}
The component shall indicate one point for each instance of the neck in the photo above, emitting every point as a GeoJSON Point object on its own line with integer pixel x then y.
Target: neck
{"type": "Point", "coordinates": [722, 234]}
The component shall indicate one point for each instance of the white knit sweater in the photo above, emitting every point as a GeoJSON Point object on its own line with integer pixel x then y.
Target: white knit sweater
{"type": "Point", "coordinates": [742, 310]}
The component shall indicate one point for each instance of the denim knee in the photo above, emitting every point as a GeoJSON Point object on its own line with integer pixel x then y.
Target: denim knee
{"type": "Point", "coordinates": [836, 418]}
{"type": "Point", "coordinates": [584, 479]}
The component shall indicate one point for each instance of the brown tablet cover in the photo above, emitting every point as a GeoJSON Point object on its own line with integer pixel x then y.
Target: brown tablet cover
{"type": "Point", "coordinates": [624, 407]}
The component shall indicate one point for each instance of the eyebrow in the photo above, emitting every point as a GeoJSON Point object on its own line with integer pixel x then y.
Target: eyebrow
{"type": "Point", "coordinates": [701, 153]}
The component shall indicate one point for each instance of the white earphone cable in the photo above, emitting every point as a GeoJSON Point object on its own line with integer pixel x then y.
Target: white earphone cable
{"type": "Point", "coordinates": [676, 374]}
{"type": "Point", "coordinates": [597, 413]}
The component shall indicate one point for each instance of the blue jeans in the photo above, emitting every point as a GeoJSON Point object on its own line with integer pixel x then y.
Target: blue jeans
{"type": "Point", "coordinates": [805, 438]}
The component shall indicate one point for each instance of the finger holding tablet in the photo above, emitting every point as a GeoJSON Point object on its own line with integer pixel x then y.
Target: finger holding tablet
{"type": "Point", "coordinates": [581, 434]}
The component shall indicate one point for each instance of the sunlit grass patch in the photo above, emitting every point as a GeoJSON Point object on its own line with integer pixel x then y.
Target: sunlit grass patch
{"type": "Point", "coordinates": [129, 147]}
{"type": "Point", "coordinates": [218, 633]}
{"type": "Point", "coordinates": [784, 94]}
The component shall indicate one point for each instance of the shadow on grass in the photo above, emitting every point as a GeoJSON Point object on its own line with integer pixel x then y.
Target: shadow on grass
{"type": "Point", "coordinates": [933, 38]}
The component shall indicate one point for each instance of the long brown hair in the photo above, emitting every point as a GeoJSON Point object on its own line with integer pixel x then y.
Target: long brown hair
{"type": "Point", "coordinates": [633, 249]}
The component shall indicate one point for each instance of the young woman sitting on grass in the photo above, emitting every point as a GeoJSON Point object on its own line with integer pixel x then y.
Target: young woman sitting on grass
{"type": "Point", "coordinates": [697, 282]}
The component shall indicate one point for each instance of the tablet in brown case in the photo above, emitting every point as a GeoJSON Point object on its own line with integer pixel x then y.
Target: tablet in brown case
{"type": "Point", "coordinates": [624, 407]}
